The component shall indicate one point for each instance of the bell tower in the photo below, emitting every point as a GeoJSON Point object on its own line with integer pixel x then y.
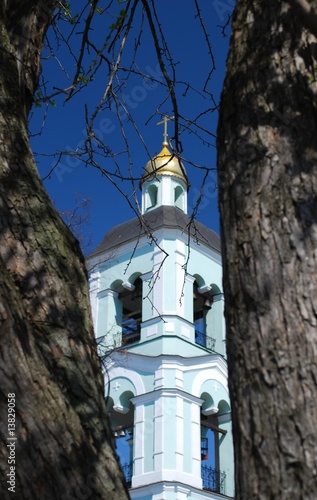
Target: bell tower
{"type": "Point", "coordinates": [157, 302]}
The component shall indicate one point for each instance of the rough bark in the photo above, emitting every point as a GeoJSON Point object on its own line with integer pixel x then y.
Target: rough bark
{"type": "Point", "coordinates": [64, 447]}
{"type": "Point", "coordinates": [267, 147]}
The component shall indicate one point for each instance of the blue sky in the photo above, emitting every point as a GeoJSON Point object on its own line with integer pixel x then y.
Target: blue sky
{"type": "Point", "coordinates": [65, 122]}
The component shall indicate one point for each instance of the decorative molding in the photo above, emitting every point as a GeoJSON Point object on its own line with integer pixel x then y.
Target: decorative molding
{"type": "Point", "coordinates": [185, 331]}
{"type": "Point", "coordinates": [204, 289]}
{"type": "Point", "coordinates": [120, 409]}
{"type": "Point", "coordinates": [213, 410]}
{"type": "Point", "coordinates": [107, 293]}
{"type": "Point", "coordinates": [204, 376]}
{"type": "Point", "coordinates": [225, 418]}
{"type": "Point", "coordinates": [128, 286]}
{"type": "Point", "coordinates": [190, 278]}
{"type": "Point", "coordinates": [147, 276]}
{"type": "Point", "coordinates": [169, 327]}
{"type": "Point", "coordinates": [168, 475]}
{"type": "Point", "coordinates": [166, 392]}
{"type": "Point", "coordinates": [121, 372]}
{"type": "Point", "coordinates": [151, 330]}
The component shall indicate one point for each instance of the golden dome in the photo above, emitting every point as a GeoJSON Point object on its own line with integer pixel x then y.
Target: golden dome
{"type": "Point", "coordinates": [164, 164]}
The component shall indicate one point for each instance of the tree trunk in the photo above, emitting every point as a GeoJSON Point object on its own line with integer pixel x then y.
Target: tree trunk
{"type": "Point", "coordinates": [48, 363]}
{"type": "Point", "coordinates": [267, 146]}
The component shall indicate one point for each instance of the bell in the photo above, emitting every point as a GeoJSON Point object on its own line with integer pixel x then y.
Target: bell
{"type": "Point", "coordinates": [207, 304]}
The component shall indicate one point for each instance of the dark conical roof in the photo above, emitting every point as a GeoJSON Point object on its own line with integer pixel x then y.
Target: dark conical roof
{"type": "Point", "coordinates": [161, 217]}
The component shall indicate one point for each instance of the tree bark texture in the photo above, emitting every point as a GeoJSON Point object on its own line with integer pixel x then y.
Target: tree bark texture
{"type": "Point", "coordinates": [267, 147]}
{"type": "Point", "coordinates": [64, 447]}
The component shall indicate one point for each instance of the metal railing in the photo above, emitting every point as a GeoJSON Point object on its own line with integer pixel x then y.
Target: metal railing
{"type": "Point", "coordinates": [127, 471]}
{"type": "Point", "coordinates": [131, 331]}
{"type": "Point", "coordinates": [204, 340]}
{"type": "Point", "coordinates": [213, 479]}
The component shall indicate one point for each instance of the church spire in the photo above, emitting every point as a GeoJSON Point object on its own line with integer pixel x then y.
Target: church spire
{"type": "Point", "coordinates": [164, 182]}
{"type": "Point", "coordinates": [165, 163]}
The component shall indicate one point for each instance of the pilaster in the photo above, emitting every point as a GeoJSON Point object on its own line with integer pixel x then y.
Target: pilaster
{"type": "Point", "coordinates": [109, 316]}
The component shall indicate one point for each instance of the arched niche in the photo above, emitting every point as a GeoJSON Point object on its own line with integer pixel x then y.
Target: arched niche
{"type": "Point", "coordinates": [179, 197]}
{"type": "Point", "coordinates": [151, 197]}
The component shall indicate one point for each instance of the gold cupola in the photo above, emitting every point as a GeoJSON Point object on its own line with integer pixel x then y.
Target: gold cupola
{"type": "Point", "coordinates": [165, 163]}
{"type": "Point", "coordinates": [164, 181]}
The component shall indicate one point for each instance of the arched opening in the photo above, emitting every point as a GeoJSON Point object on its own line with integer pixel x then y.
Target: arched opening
{"type": "Point", "coordinates": [202, 304]}
{"type": "Point", "coordinates": [178, 197]}
{"type": "Point", "coordinates": [211, 436]}
{"type": "Point", "coordinates": [116, 285]}
{"type": "Point", "coordinates": [151, 197]}
{"type": "Point", "coordinates": [122, 425]}
{"type": "Point", "coordinates": [209, 441]}
{"type": "Point", "coordinates": [131, 298]}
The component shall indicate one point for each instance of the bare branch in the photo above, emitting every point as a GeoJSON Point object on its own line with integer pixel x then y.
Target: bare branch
{"type": "Point", "coordinates": [93, 6]}
{"type": "Point", "coordinates": [170, 83]}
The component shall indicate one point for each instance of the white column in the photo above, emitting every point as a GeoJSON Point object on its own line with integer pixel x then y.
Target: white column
{"type": "Point", "coordinates": [216, 320]}
{"type": "Point", "coordinates": [196, 441]}
{"type": "Point", "coordinates": [158, 435]}
{"type": "Point", "coordinates": [147, 295]}
{"type": "Point", "coordinates": [166, 190]}
{"type": "Point", "coordinates": [158, 281]}
{"type": "Point", "coordinates": [179, 451]}
{"type": "Point", "coordinates": [180, 278]}
{"type": "Point", "coordinates": [138, 440]}
{"type": "Point", "coordinates": [189, 297]}
{"type": "Point", "coordinates": [108, 321]}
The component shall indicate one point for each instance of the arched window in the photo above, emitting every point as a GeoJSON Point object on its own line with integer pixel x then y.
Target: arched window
{"type": "Point", "coordinates": [178, 197]}
{"type": "Point", "coordinates": [202, 304]}
{"type": "Point", "coordinates": [131, 299]}
{"type": "Point", "coordinates": [151, 197]}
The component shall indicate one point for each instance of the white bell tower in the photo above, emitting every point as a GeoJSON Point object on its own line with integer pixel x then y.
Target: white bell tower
{"type": "Point", "coordinates": [158, 312]}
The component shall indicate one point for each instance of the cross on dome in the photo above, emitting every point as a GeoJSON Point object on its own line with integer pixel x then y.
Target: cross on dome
{"type": "Point", "coordinates": [165, 166]}
{"type": "Point", "coordinates": [165, 134]}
